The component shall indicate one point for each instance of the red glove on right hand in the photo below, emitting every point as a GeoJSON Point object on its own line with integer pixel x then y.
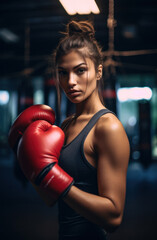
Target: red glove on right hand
{"type": "Point", "coordinates": [31, 114]}
{"type": "Point", "coordinates": [38, 152]}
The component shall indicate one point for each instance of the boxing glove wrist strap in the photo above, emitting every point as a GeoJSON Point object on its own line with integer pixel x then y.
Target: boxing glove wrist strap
{"type": "Point", "coordinates": [67, 189]}
{"type": "Point", "coordinates": [43, 173]}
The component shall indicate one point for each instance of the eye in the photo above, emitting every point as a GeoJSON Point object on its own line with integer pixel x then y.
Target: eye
{"type": "Point", "coordinates": [81, 70]}
{"type": "Point", "coordinates": [62, 73]}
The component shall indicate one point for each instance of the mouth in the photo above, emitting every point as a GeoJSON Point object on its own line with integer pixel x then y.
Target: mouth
{"type": "Point", "coordinates": [73, 93]}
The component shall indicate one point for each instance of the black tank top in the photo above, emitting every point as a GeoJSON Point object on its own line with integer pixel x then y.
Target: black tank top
{"type": "Point", "coordinates": [74, 162]}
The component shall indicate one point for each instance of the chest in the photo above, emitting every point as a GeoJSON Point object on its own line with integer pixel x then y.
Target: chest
{"type": "Point", "coordinates": [72, 132]}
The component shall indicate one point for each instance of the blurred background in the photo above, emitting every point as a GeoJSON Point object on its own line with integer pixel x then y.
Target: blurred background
{"type": "Point", "coordinates": [127, 32]}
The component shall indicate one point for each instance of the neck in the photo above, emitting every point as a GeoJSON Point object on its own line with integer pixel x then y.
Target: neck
{"type": "Point", "coordinates": [90, 106]}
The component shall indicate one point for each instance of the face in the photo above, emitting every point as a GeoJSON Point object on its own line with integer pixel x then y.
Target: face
{"type": "Point", "coordinates": [77, 76]}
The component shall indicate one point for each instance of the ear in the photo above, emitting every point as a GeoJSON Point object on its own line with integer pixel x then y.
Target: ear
{"type": "Point", "coordinates": [99, 72]}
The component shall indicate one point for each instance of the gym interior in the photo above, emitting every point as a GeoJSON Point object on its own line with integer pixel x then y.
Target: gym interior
{"type": "Point", "coordinates": [29, 33]}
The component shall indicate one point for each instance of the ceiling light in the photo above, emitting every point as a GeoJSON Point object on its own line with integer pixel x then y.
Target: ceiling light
{"type": "Point", "coordinates": [80, 6]}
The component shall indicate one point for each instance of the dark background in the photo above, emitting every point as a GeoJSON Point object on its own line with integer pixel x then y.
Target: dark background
{"type": "Point", "coordinates": [25, 73]}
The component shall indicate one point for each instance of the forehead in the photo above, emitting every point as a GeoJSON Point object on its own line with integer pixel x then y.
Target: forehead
{"type": "Point", "coordinates": [73, 59]}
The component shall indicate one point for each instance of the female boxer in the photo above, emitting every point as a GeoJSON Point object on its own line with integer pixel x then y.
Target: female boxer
{"type": "Point", "coordinates": [96, 149]}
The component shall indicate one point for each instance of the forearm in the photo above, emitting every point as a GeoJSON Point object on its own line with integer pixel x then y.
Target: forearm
{"type": "Point", "coordinates": [99, 210]}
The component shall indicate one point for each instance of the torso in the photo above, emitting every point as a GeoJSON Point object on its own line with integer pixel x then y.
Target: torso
{"type": "Point", "coordinates": [78, 158]}
{"type": "Point", "coordinates": [73, 126]}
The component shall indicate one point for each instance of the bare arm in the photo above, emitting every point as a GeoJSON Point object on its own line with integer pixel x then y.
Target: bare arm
{"type": "Point", "coordinates": [112, 147]}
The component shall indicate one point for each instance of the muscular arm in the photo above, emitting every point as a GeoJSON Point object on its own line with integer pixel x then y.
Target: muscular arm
{"type": "Point", "coordinates": [112, 148]}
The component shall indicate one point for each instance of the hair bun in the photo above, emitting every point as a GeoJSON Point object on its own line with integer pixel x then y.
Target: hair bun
{"type": "Point", "coordinates": [83, 27]}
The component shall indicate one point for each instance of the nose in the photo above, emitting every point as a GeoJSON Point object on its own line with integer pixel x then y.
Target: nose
{"type": "Point", "coordinates": [72, 80]}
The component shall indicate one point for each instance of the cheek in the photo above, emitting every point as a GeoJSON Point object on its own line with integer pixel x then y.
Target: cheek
{"type": "Point", "coordinates": [91, 81]}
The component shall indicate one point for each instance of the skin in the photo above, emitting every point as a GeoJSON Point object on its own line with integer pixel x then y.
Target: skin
{"type": "Point", "coordinates": [106, 146]}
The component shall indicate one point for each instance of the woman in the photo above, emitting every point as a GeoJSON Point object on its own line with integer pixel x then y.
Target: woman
{"type": "Point", "coordinates": [96, 150]}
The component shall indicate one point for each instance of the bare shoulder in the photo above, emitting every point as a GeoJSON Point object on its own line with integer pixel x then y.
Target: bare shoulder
{"type": "Point", "coordinates": [108, 124]}
{"type": "Point", "coordinates": [110, 135]}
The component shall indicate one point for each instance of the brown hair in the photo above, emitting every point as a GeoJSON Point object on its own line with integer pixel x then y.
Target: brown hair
{"type": "Point", "coordinates": [80, 36]}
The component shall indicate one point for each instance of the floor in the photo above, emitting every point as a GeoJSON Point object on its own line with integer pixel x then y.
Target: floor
{"type": "Point", "coordinates": [23, 215]}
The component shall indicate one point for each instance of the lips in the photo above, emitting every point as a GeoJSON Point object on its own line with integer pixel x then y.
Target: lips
{"type": "Point", "coordinates": [73, 92]}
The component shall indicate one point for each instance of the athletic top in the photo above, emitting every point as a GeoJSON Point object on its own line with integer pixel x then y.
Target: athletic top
{"type": "Point", "coordinates": [74, 162]}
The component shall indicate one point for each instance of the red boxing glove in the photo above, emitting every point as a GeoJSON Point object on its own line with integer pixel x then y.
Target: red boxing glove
{"type": "Point", "coordinates": [38, 153]}
{"type": "Point", "coordinates": [31, 114]}
{"type": "Point", "coordinates": [28, 116]}
{"type": "Point", "coordinates": [38, 146]}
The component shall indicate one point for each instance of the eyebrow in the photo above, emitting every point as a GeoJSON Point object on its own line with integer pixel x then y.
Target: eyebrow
{"type": "Point", "coordinates": [75, 66]}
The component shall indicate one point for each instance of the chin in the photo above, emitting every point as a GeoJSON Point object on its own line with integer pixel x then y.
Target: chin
{"type": "Point", "coordinates": [75, 100]}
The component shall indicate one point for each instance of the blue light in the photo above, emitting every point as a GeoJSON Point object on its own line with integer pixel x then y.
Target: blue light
{"type": "Point", "coordinates": [4, 97]}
